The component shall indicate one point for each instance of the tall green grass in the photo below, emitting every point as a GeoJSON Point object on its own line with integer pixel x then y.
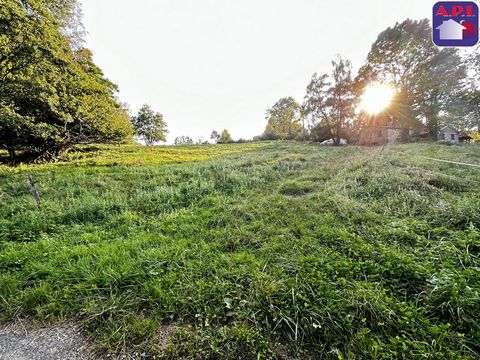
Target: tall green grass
{"type": "Point", "coordinates": [276, 250]}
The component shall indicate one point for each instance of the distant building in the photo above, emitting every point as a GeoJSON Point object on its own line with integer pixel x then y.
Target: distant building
{"type": "Point", "coordinates": [383, 130]}
{"type": "Point", "coordinates": [448, 134]}
{"type": "Point", "coordinates": [380, 135]}
{"type": "Point", "coordinates": [386, 129]}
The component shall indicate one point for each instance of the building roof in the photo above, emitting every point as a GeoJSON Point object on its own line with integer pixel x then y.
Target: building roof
{"type": "Point", "coordinates": [448, 127]}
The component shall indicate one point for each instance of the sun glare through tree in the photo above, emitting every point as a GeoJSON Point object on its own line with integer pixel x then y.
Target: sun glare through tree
{"type": "Point", "coordinates": [376, 98]}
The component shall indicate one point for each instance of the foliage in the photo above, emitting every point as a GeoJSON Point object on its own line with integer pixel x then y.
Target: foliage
{"type": "Point", "coordinates": [183, 140]}
{"type": "Point", "coordinates": [215, 136]}
{"type": "Point", "coordinates": [329, 99]}
{"type": "Point", "coordinates": [475, 136]}
{"type": "Point", "coordinates": [52, 95]}
{"type": "Point", "coordinates": [320, 133]}
{"type": "Point", "coordinates": [468, 102]}
{"type": "Point", "coordinates": [434, 87]}
{"type": "Point", "coordinates": [429, 80]}
{"type": "Point", "coordinates": [283, 120]}
{"type": "Point", "coordinates": [150, 125]}
{"type": "Point", "coordinates": [250, 251]}
{"type": "Point", "coordinates": [225, 137]}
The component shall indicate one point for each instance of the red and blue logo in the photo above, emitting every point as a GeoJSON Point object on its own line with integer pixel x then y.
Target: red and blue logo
{"type": "Point", "coordinates": [455, 23]}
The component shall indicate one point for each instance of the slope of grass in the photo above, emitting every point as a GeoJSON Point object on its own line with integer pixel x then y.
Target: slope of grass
{"type": "Point", "coordinates": [136, 155]}
{"type": "Point", "coordinates": [274, 250]}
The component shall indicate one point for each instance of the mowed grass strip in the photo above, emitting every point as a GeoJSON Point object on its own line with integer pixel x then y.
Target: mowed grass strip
{"type": "Point", "coordinates": [252, 251]}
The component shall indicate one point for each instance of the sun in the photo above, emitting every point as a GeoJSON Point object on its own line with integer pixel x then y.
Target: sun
{"type": "Point", "coordinates": [376, 98]}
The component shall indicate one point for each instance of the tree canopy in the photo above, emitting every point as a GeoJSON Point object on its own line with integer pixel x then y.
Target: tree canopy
{"type": "Point", "coordinates": [469, 100]}
{"type": "Point", "coordinates": [329, 101]}
{"type": "Point", "coordinates": [432, 86]}
{"type": "Point", "coordinates": [284, 120]}
{"type": "Point", "coordinates": [225, 137]}
{"type": "Point", "coordinates": [429, 80]}
{"type": "Point", "coordinates": [52, 94]}
{"type": "Point", "coordinates": [149, 125]}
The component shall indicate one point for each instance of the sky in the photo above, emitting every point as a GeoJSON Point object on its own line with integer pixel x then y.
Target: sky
{"type": "Point", "coordinates": [219, 64]}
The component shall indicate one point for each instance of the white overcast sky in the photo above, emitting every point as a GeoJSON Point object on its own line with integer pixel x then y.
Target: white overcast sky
{"type": "Point", "coordinates": [215, 64]}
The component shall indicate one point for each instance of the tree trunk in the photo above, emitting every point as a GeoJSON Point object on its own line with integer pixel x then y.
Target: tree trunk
{"type": "Point", "coordinates": [12, 155]}
{"type": "Point", "coordinates": [62, 152]}
{"type": "Point", "coordinates": [333, 136]}
{"type": "Point", "coordinates": [339, 126]}
{"type": "Point", "coordinates": [432, 125]}
{"type": "Point", "coordinates": [304, 131]}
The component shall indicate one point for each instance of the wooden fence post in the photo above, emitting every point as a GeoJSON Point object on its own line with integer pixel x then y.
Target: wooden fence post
{"type": "Point", "coordinates": [33, 190]}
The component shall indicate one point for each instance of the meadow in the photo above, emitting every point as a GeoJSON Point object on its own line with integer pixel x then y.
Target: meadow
{"type": "Point", "coordinates": [249, 251]}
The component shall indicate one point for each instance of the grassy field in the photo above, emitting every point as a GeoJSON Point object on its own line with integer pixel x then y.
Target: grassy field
{"type": "Point", "coordinates": [271, 250]}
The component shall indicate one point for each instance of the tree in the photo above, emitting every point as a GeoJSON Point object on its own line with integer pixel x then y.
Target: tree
{"type": "Point", "coordinates": [215, 136]}
{"type": "Point", "coordinates": [183, 140]}
{"type": "Point", "coordinates": [427, 79]}
{"type": "Point", "coordinates": [474, 61]}
{"type": "Point", "coordinates": [52, 95]}
{"type": "Point", "coordinates": [69, 15]}
{"type": "Point", "coordinates": [329, 101]}
{"type": "Point", "coordinates": [469, 100]}
{"type": "Point", "coordinates": [225, 137]}
{"type": "Point", "coordinates": [283, 120]}
{"type": "Point", "coordinates": [436, 94]}
{"type": "Point", "coordinates": [150, 125]}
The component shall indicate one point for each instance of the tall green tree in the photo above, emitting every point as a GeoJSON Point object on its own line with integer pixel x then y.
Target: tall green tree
{"type": "Point", "coordinates": [150, 125]}
{"type": "Point", "coordinates": [52, 95]}
{"type": "Point", "coordinates": [469, 101]}
{"type": "Point", "coordinates": [427, 79]}
{"type": "Point", "coordinates": [329, 100]}
{"type": "Point", "coordinates": [225, 137]}
{"type": "Point", "coordinates": [437, 93]}
{"type": "Point", "coordinates": [284, 120]}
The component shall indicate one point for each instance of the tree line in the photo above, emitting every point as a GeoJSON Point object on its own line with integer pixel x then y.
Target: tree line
{"type": "Point", "coordinates": [434, 87]}
{"type": "Point", "coordinates": [150, 127]}
{"type": "Point", "coordinates": [222, 137]}
{"type": "Point", "coordinates": [53, 96]}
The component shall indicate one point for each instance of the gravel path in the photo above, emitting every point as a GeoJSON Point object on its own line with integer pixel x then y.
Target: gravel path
{"type": "Point", "coordinates": [22, 341]}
